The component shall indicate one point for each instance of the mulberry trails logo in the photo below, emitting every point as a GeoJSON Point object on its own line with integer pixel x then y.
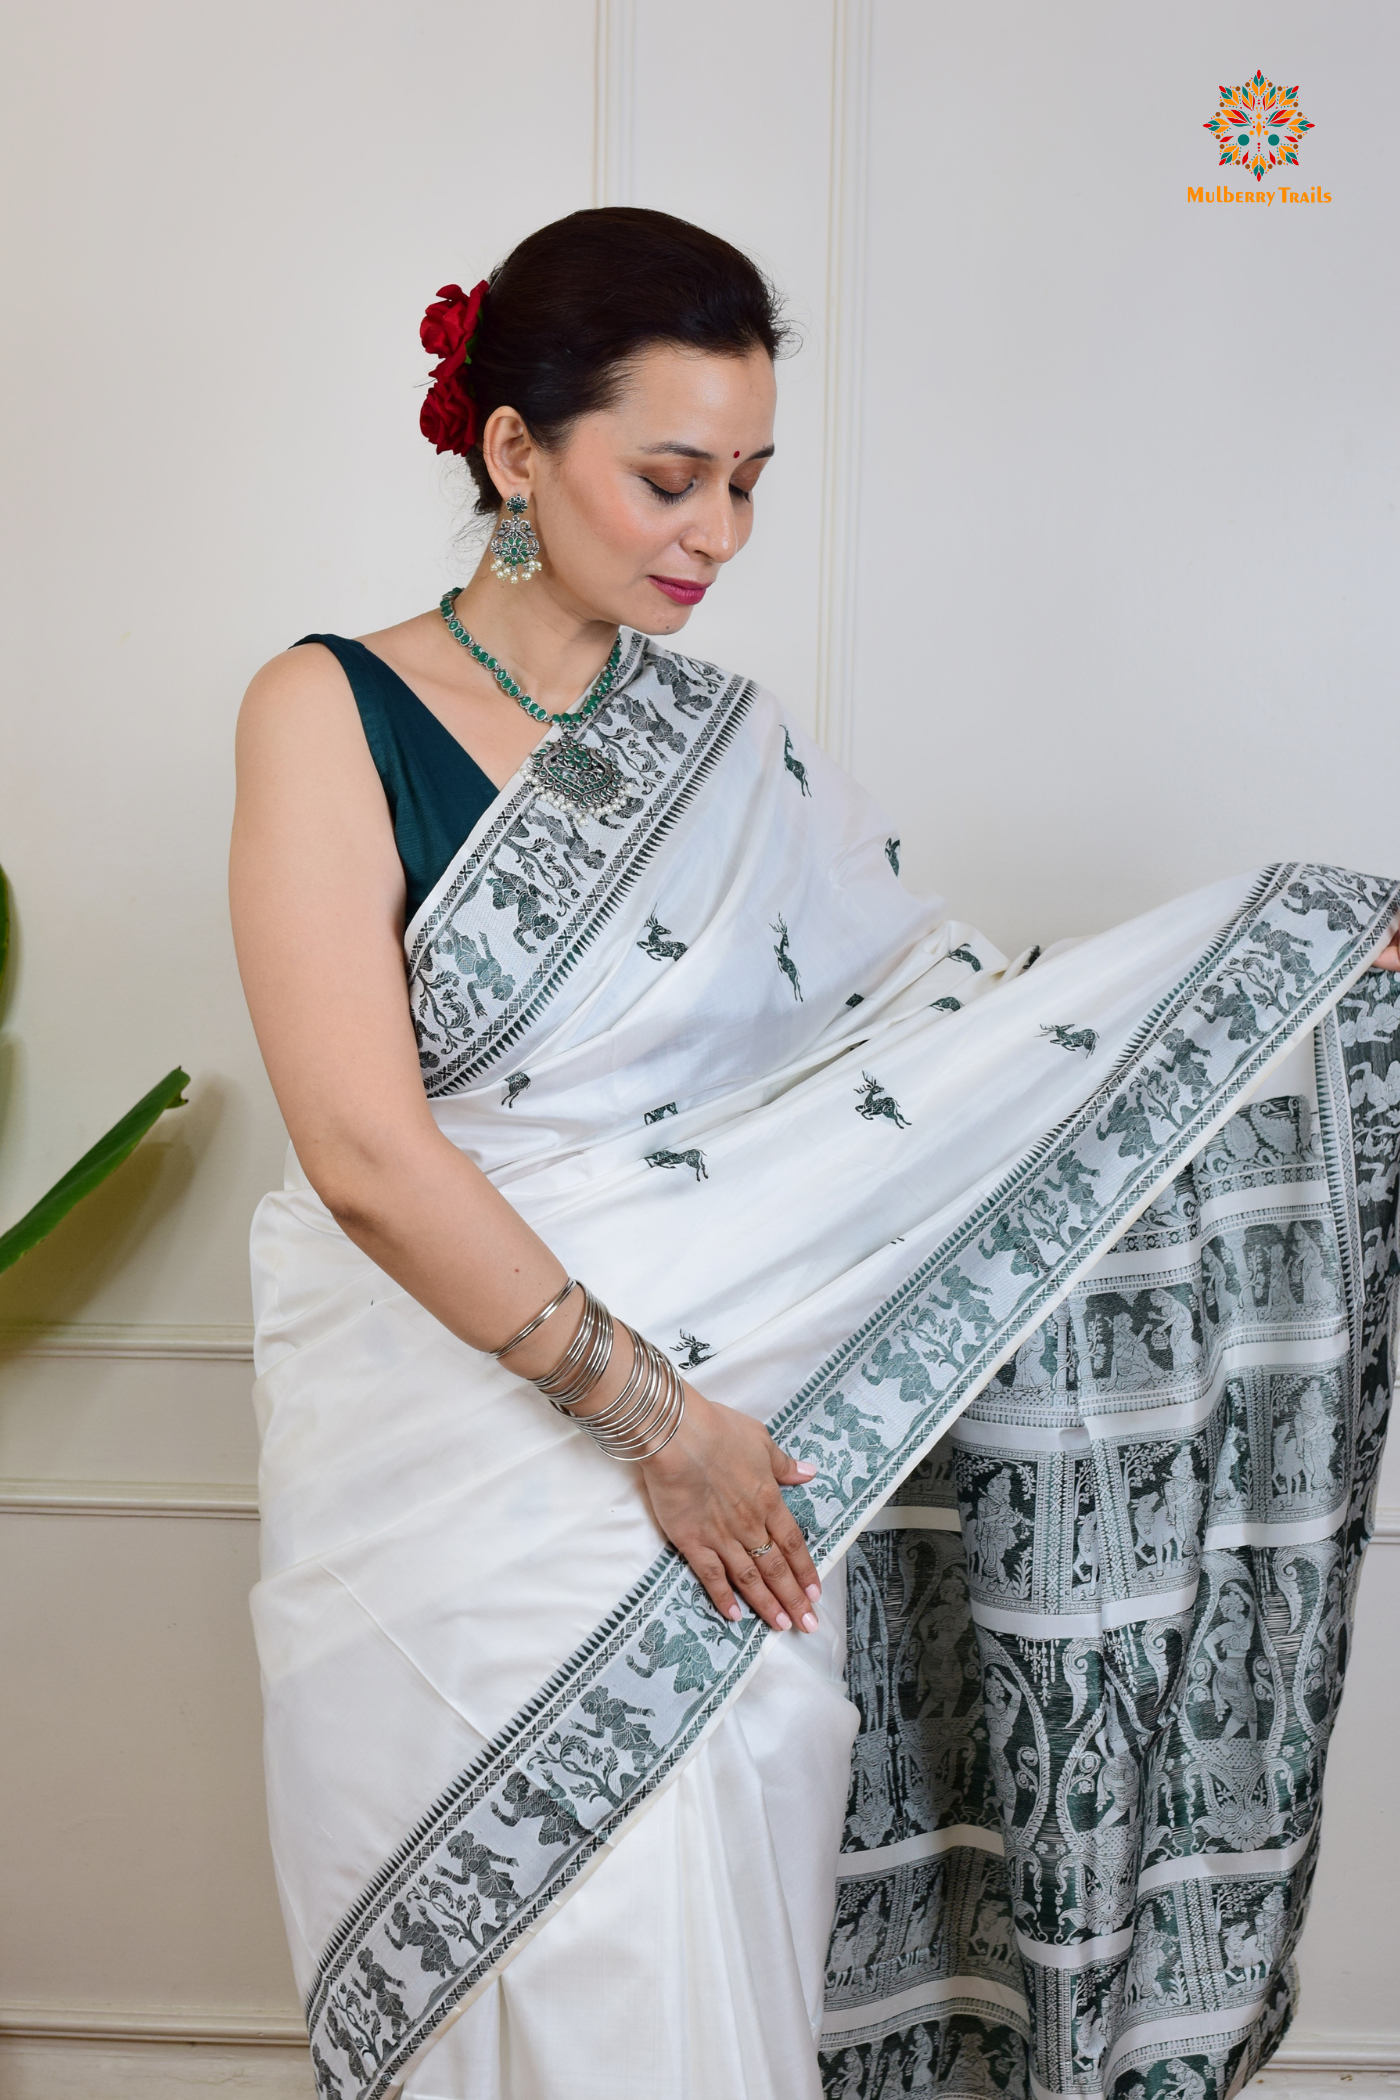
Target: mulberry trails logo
{"type": "Point", "coordinates": [1258, 128]}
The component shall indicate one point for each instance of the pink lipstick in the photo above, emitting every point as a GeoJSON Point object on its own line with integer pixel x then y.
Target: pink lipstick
{"type": "Point", "coordinates": [675, 587]}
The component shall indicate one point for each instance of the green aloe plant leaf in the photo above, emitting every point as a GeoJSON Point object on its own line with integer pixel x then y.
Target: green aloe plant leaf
{"type": "Point", "coordinates": [105, 1156]}
{"type": "Point", "coordinates": [94, 1166]}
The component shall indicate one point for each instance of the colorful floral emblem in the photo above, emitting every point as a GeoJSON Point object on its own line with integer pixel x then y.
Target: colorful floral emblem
{"type": "Point", "coordinates": [1258, 126]}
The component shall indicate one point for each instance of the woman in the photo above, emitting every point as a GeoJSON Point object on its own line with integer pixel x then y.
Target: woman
{"type": "Point", "coordinates": [567, 1793]}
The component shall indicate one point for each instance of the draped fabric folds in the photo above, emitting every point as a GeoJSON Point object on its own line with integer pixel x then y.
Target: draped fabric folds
{"type": "Point", "coordinates": [1076, 1282]}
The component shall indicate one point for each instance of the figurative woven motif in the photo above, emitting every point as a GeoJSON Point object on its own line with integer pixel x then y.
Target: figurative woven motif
{"type": "Point", "coordinates": [1099, 1640]}
{"type": "Point", "coordinates": [516, 911]}
{"type": "Point", "coordinates": [1258, 126]}
{"type": "Point", "coordinates": [562, 1778]}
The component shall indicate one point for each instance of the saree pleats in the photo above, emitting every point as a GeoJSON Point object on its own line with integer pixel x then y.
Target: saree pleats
{"type": "Point", "coordinates": [1063, 1278]}
{"type": "Point", "coordinates": [1098, 1639]}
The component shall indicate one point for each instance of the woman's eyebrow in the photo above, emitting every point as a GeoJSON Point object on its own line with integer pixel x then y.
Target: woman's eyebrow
{"type": "Point", "coordinates": [683, 451]}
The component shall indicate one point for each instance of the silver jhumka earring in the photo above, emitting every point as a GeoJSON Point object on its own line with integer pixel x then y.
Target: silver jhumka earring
{"type": "Point", "coordinates": [515, 546]}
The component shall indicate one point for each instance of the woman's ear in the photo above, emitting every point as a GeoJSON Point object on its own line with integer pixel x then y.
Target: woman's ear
{"type": "Point", "coordinates": [509, 452]}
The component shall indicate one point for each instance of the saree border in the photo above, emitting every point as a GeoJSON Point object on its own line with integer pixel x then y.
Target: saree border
{"type": "Point", "coordinates": [510, 795]}
{"type": "Point", "coordinates": [664, 762]}
{"type": "Point", "coordinates": [1344, 1195]}
{"type": "Point", "coordinates": [581, 1757]}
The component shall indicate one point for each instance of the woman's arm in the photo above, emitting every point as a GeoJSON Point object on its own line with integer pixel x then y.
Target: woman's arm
{"type": "Point", "coordinates": [317, 896]}
{"type": "Point", "coordinates": [318, 900]}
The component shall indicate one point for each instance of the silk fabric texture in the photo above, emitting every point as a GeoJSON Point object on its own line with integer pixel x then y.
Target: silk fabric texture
{"type": "Point", "coordinates": [542, 1822]}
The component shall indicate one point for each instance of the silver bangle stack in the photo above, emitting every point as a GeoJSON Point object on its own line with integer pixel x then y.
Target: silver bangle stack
{"type": "Point", "coordinates": [647, 1412]}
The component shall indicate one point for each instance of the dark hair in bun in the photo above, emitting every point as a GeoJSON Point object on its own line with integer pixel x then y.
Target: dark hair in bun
{"type": "Point", "coordinates": [568, 308]}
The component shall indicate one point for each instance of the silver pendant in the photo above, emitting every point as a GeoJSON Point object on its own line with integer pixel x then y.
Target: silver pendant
{"type": "Point", "coordinates": [580, 782]}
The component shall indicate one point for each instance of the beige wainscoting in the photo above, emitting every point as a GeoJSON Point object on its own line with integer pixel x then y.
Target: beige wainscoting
{"type": "Point", "coordinates": [103, 2070]}
{"type": "Point", "coordinates": [58, 2054]}
{"type": "Point", "coordinates": [141, 1947]}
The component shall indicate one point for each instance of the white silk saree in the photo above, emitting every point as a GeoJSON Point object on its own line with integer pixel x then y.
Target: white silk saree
{"type": "Point", "coordinates": [1076, 1282]}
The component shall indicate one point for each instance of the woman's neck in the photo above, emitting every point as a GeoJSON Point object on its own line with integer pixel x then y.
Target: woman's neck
{"type": "Point", "coordinates": [550, 646]}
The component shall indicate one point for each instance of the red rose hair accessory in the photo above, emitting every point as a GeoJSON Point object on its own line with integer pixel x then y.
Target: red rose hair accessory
{"type": "Point", "coordinates": [448, 418]}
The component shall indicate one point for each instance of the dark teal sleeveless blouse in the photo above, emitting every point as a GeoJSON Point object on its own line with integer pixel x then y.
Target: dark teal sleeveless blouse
{"type": "Point", "coordinates": [436, 792]}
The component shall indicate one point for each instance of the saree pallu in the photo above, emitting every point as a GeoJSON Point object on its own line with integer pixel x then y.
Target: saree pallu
{"type": "Point", "coordinates": [1077, 1284]}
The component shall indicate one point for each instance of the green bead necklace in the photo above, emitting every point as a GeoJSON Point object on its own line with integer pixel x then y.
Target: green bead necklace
{"type": "Point", "coordinates": [597, 692]}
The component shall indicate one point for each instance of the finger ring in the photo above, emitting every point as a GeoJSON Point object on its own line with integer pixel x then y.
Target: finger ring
{"type": "Point", "coordinates": [757, 1552]}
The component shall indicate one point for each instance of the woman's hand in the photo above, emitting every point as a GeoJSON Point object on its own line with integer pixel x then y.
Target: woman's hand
{"type": "Point", "coordinates": [714, 1487]}
{"type": "Point", "coordinates": [1389, 958]}
{"type": "Point", "coordinates": [714, 1490]}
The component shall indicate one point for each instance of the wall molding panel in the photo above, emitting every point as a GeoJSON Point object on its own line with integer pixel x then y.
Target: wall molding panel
{"type": "Point", "coordinates": [146, 1341]}
{"type": "Point", "coordinates": [1324, 2053]}
{"type": "Point", "coordinates": [844, 374]}
{"type": "Point", "coordinates": [128, 1498]}
{"type": "Point", "coordinates": [214, 2025]}
{"type": "Point", "coordinates": [614, 91]}
{"type": "Point", "coordinates": [219, 2028]}
{"type": "Point", "coordinates": [239, 1499]}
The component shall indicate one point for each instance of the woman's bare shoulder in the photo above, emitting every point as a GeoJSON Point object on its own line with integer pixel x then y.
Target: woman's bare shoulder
{"type": "Point", "coordinates": [299, 719]}
{"type": "Point", "coordinates": [309, 797]}
{"type": "Point", "coordinates": [299, 732]}
{"type": "Point", "coordinates": [306, 679]}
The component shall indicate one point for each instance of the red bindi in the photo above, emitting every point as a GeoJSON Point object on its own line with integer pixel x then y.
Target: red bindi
{"type": "Point", "coordinates": [736, 455]}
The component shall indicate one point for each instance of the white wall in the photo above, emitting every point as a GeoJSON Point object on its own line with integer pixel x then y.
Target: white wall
{"type": "Point", "coordinates": [1132, 461]}
{"type": "Point", "coordinates": [1078, 545]}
